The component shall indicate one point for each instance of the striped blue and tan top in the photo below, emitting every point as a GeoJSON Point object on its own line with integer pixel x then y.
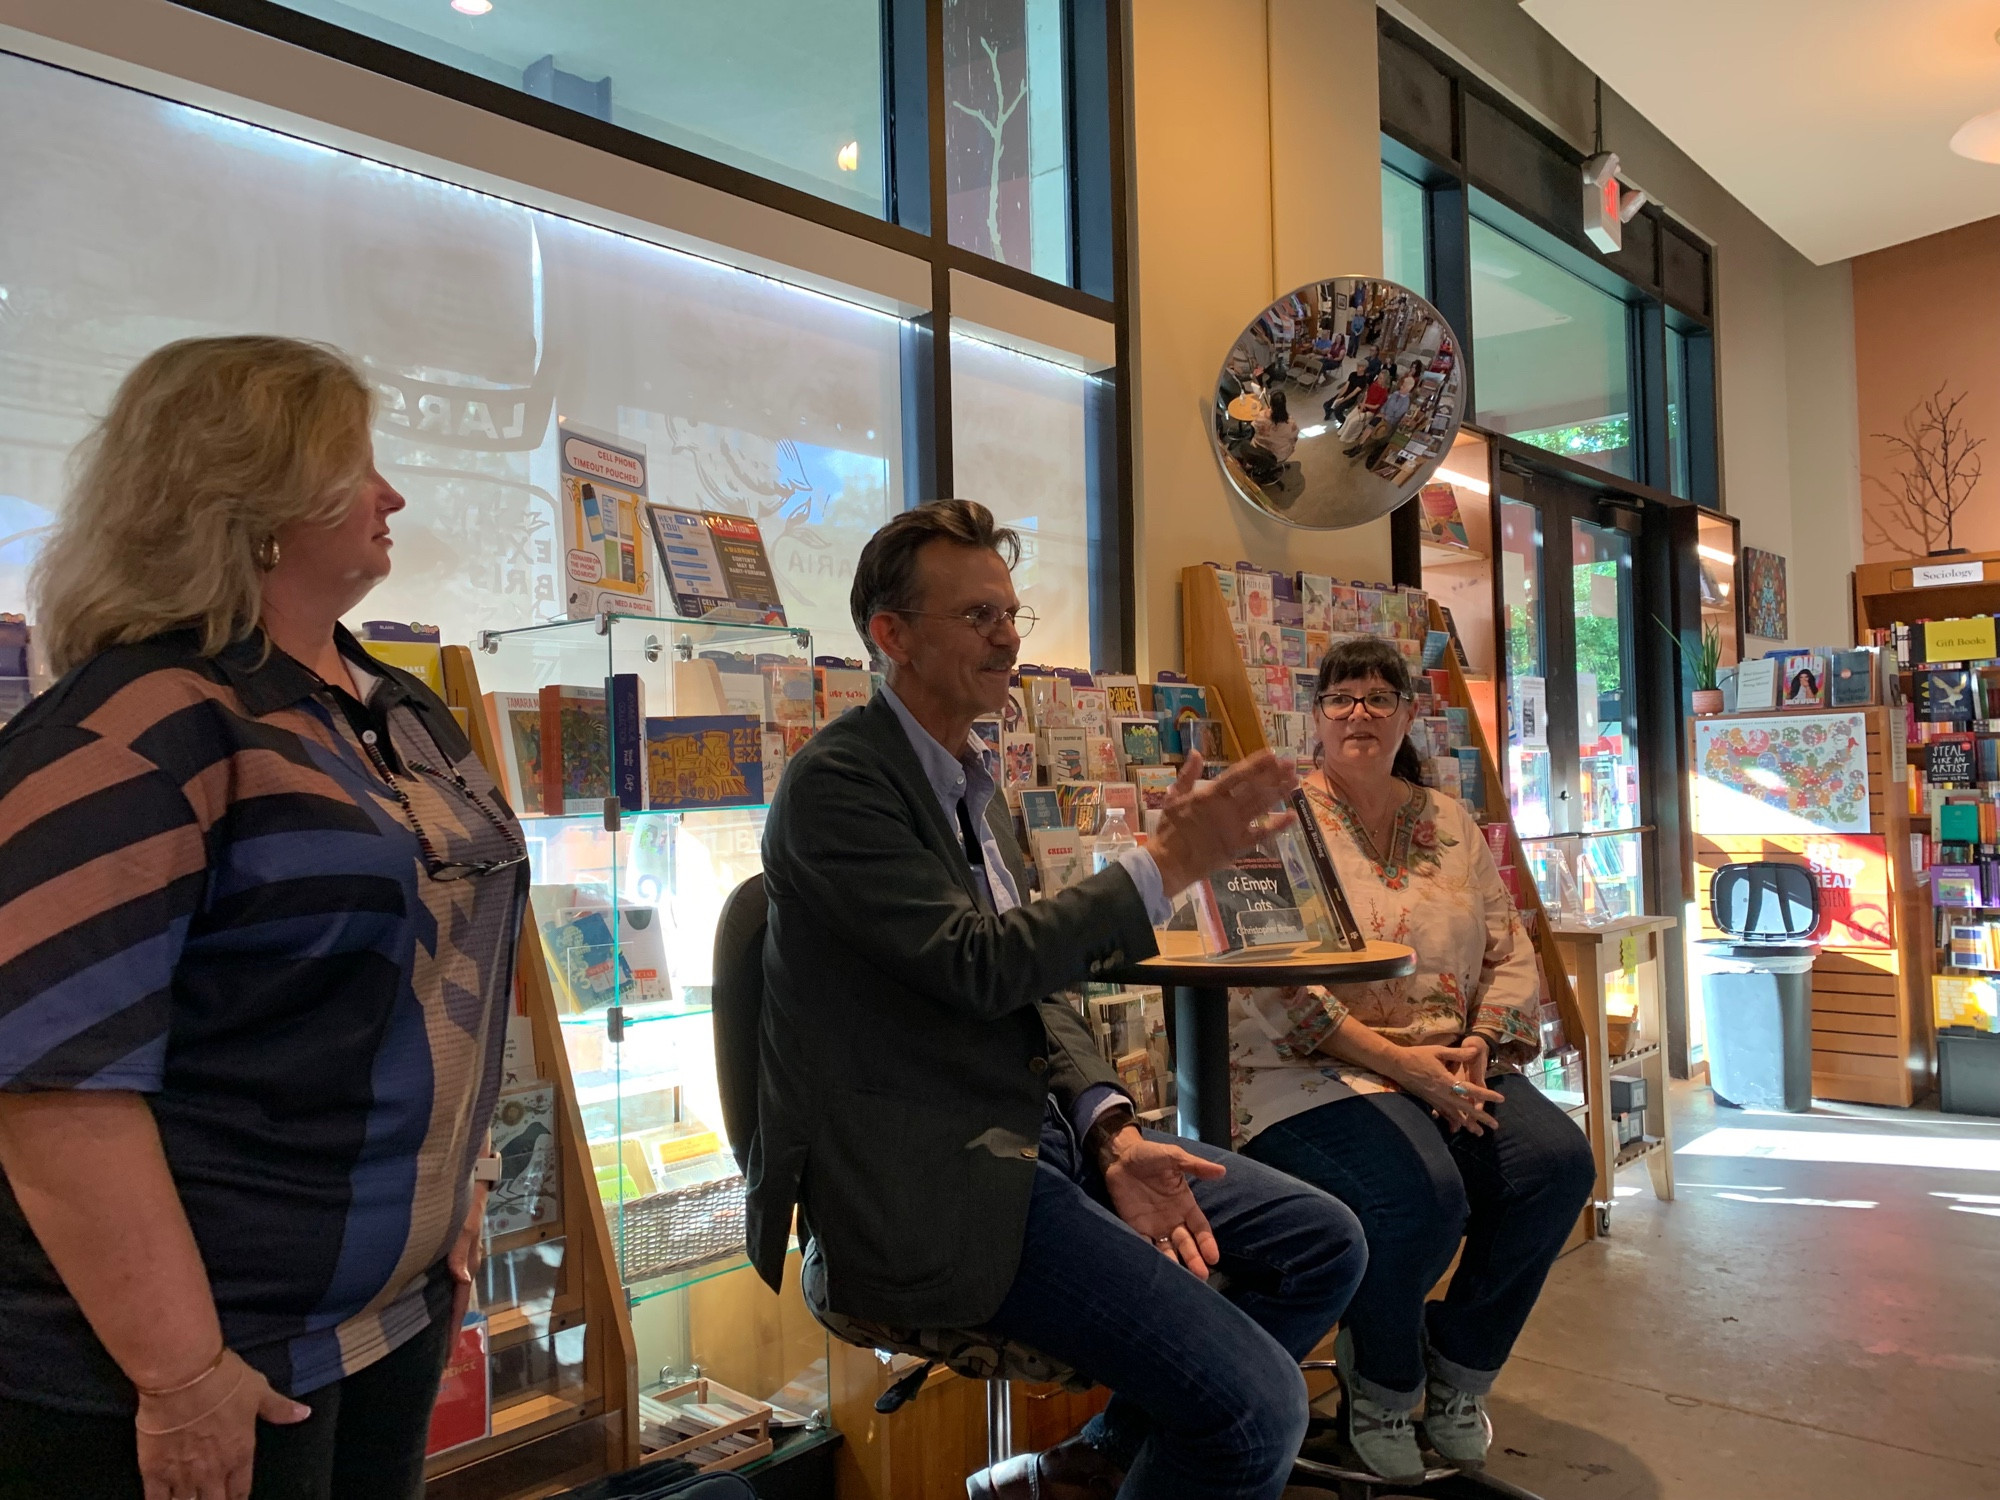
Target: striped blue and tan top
{"type": "Point", "coordinates": [208, 896]}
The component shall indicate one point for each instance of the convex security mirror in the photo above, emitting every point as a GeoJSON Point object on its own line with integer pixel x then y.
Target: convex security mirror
{"type": "Point", "coordinates": [1765, 901]}
{"type": "Point", "coordinates": [1337, 402]}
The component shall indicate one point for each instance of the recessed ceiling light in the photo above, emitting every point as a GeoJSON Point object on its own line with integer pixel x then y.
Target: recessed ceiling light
{"type": "Point", "coordinates": [850, 157]}
{"type": "Point", "coordinates": [472, 7]}
{"type": "Point", "coordinates": [1979, 137]}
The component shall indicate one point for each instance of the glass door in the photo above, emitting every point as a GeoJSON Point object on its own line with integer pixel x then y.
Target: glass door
{"type": "Point", "coordinates": [1570, 600]}
{"type": "Point", "coordinates": [1604, 809]}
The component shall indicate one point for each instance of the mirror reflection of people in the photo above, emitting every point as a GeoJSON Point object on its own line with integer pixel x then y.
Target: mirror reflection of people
{"type": "Point", "coordinates": [959, 1154]}
{"type": "Point", "coordinates": [1403, 1098]}
{"type": "Point", "coordinates": [1275, 436]}
{"type": "Point", "coordinates": [260, 909]}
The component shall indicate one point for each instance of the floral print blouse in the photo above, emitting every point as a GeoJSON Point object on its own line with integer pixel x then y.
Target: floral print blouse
{"type": "Point", "coordinates": [1435, 889]}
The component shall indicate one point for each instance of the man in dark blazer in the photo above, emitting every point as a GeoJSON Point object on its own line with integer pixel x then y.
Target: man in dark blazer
{"type": "Point", "coordinates": [954, 1144]}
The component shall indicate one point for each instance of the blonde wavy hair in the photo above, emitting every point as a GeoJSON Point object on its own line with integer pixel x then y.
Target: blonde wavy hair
{"type": "Point", "coordinates": [211, 446]}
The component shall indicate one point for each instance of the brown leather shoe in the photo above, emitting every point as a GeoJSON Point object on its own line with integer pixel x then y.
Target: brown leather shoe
{"type": "Point", "coordinates": [1069, 1471]}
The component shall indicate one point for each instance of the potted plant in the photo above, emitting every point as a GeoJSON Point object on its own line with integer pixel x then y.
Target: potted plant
{"type": "Point", "coordinates": [1702, 665]}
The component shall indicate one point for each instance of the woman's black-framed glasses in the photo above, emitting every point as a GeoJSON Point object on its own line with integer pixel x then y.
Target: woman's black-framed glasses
{"type": "Point", "coordinates": [1376, 705]}
{"type": "Point", "coordinates": [435, 866]}
{"type": "Point", "coordinates": [984, 618]}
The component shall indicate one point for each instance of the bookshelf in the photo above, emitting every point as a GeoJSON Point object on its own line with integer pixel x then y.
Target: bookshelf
{"type": "Point", "coordinates": [576, 1421]}
{"type": "Point", "coordinates": [1891, 593]}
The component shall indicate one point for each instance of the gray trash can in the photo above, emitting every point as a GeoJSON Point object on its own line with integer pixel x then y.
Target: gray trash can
{"type": "Point", "coordinates": [1756, 985]}
{"type": "Point", "coordinates": [1757, 1000]}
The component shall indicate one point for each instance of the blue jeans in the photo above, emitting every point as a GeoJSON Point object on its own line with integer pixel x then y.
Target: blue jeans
{"type": "Point", "coordinates": [1208, 1400]}
{"type": "Point", "coordinates": [1514, 1193]}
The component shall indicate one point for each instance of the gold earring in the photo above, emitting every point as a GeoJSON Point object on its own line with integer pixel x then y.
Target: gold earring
{"type": "Point", "coordinates": [265, 553]}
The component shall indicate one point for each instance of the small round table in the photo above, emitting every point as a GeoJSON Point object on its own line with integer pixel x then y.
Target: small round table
{"type": "Point", "coordinates": [1200, 989]}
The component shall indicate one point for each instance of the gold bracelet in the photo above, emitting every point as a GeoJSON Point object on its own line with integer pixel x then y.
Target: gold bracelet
{"type": "Point", "coordinates": [187, 1385]}
{"type": "Point", "coordinates": [229, 1396]}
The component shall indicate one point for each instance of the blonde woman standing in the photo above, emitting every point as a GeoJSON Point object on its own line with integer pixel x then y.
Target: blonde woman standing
{"type": "Point", "coordinates": [258, 909]}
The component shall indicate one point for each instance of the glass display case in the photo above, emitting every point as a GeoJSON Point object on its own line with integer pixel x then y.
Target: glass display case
{"type": "Point", "coordinates": [644, 751]}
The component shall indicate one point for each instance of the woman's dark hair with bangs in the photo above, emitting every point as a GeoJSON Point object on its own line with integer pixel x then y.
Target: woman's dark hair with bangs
{"type": "Point", "coordinates": [1356, 660]}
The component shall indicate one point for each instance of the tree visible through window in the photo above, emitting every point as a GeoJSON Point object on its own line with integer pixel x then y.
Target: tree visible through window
{"type": "Point", "coordinates": [1006, 149]}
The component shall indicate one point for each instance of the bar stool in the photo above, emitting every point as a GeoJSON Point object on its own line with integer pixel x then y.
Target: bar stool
{"type": "Point", "coordinates": [738, 1008]}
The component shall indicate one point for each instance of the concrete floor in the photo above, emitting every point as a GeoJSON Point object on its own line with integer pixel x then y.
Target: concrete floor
{"type": "Point", "coordinates": [1790, 1327]}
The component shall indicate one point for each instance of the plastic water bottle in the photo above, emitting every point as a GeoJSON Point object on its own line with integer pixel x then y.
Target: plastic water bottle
{"type": "Point", "coordinates": [1113, 839]}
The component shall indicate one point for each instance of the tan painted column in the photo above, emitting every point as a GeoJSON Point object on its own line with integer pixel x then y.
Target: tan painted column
{"type": "Point", "coordinates": [1256, 166]}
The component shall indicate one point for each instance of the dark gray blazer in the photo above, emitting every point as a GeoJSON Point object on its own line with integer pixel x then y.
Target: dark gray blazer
{"type": "Point", "coordinates": [909, 1046]}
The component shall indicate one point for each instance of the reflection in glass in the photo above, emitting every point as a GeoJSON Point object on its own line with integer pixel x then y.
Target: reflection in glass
{"type": "Point", "coordinates": [1528, 767]}
{"type": "Point", "coordinates": [1607, 744]}
{"type": "Point", "coordinates": [1403, 257]}
{"type": "Point", "coordinates": [788, 89]}
{"type": "Point", "coordinates": [1337, 402]}
{"type": "Point", "coordinates": [1006, 132]}
{"type": "Point", "coordinates": [1588, 879]}
{"type": "Point", "coordinates": [1552, 352]}
{"type": "Point", "coordinates": [479, 320]}
{"type": "Point", "coordinates": [1019, 448]}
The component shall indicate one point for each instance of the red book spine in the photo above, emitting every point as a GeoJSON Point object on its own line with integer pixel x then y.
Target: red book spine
{"type": "Point", "coordinates": [552, 750]}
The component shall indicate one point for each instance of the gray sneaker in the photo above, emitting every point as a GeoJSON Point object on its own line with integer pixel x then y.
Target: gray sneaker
{"type": "Point", "coordinates": [1456, 1424]}
{"type": "Point", "coordinates": [1384, 1440]}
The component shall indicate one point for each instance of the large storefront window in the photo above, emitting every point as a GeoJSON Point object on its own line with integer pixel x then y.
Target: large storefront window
{"type": "Point", "coordinates": [1006, 132]}
{"type": "Point", "coordinates": [132, 221]}
{"type": "Point", "coordinates": [788, 89]}
{"type": "Point", "coordinates": [1552, 355]}
{"type": "Point", "coordinates": [1403, 258]}
{"type": "Point", "coordinates": [1019, 446]}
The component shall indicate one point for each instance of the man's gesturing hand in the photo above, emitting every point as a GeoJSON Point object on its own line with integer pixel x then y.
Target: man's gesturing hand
{"type": "Point", "coordinates": [1206, 824]}
{"type": "Point", "coordinates": [1147, 1183]}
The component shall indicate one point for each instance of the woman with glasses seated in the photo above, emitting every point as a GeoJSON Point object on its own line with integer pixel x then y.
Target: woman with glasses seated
{"type": "Point", "coordinates": [258, 911]}
{"type": "Point", "coordinates": [1403, 1098]}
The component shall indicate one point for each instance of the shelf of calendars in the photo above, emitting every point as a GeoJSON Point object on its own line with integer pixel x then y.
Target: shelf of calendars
{"type": "Point", "coordinates": [645, 751]}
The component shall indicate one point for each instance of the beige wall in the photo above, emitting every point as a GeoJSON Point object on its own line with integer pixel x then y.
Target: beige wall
{"type": "Point", "coordinates": [1785, 377]}
{"type": "Point", "coordinates": [1218, 114]}
{"type": "Point", "coordinates": [1947, 284]}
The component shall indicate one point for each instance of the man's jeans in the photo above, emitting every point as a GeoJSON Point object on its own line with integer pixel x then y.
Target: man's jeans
{"type": "Point", "coordinates": [1513, 1193]}
{"type": "Point", "coordinates": [1208, 1397]}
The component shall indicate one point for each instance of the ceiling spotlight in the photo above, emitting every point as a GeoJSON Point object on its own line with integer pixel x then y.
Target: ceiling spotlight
{"type": "Point", "coordinates": [1979, 137]}
{"type": "Point", "coordinates": [850, 157]}
{"type": "Point", "coordinates": [472, 7]}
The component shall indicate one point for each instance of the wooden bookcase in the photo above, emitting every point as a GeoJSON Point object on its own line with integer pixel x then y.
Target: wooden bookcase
{"type": "Point", "coordinates": [1873, 1039]}
{"type": "Point", "coordinates": [1212, 659]}
{"type": "Point", "coordinates": [552, 1440]}
{"type": "Point", "coordinates": [1885, 593]}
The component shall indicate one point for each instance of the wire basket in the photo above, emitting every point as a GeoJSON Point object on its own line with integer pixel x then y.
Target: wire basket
{"type": "Point", "coordinates": [666, 1232]}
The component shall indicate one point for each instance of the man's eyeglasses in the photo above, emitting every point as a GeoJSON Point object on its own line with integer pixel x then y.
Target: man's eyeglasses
{"type": "Point", "coordinates": [984, 618]}
{"type": "Point", "coordinates": [1376, 705]}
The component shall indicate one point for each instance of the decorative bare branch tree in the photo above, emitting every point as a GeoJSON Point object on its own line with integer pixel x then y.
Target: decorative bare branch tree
{"type": "Point", "coordinates": [995, 126]}
{"type": "Point", "coordinates": [1937, 469]}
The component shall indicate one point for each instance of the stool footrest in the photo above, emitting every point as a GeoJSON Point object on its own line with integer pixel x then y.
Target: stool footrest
{"type": "Point", "coordinates": [904, 1390]}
